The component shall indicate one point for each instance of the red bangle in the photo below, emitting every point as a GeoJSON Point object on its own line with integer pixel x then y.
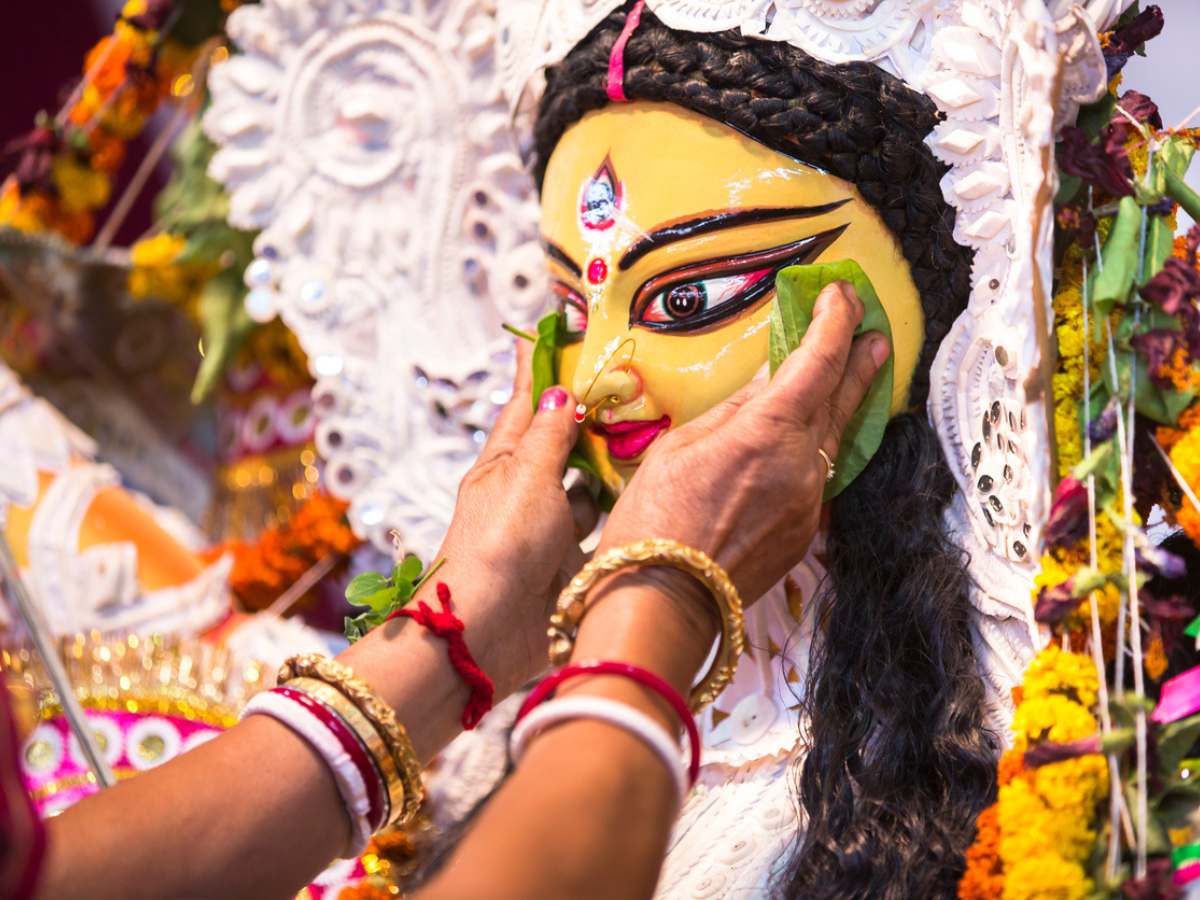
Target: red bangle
{"type": "Point", "coordinates": [446, 624]}
{"type": "Point", "coordinates": [644, 677]}
{"type": "Point", "coordinates": [361, 758]}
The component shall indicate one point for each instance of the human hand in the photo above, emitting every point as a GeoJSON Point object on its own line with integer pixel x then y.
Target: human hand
{"type": "Point", "coordinates": [512, 544]}
{"type": "Point", "coordinates": [744, 482]}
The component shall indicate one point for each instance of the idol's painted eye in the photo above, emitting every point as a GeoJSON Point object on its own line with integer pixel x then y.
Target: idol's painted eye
{"type": "Point", "coordinates": [697, 296]}
{"type": "Point", "coordinates": [684, 301]}
{"type": "Point", "coordinates": [572, 311]}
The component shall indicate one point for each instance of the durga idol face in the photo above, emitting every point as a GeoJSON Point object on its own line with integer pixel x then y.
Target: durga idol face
{"type": "Point", "coordinates": [663, 232]}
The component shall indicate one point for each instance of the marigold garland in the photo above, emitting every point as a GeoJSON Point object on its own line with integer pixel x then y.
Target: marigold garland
{"type": "Point", "coordinates": [1034, 843]}
{"type": "Point", "coordinates": [65, 172]}
{"type": "Point", "coordinates": [264, 569]}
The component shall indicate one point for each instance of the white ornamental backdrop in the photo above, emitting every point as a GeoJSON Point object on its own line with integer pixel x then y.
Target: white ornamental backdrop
{"type": "Point", "coordinates": [369, 142]}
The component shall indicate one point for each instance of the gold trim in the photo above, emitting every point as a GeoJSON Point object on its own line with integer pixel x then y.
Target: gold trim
{"type": "Point", "coordinates": [657, 552]}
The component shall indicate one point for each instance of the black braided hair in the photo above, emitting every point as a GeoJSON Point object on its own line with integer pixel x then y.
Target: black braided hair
{"type": "Point", "coordinates": [899, 762]}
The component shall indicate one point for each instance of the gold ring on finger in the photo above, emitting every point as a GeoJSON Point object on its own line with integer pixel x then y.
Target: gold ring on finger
{"type": "Point", "coordinates": [828, 464]}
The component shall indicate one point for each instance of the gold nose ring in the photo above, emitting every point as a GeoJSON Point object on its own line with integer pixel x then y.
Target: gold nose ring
{"type": "Point", "coordinates": [582, 411]}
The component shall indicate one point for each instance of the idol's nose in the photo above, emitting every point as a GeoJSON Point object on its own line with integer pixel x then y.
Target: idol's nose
{"type": "Point", "coordinates": [605, 375]}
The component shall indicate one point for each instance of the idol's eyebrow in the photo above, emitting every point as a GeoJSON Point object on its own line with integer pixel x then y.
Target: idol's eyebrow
{"type": "Point", "coordinates": [678, 231]}
{"type": "Point", "coordinates": [559, 255]}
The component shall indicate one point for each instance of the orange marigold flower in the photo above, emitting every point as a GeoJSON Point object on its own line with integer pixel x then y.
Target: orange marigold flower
{"type": "Point", "coordinates": [1012, 764]}
{"type": "Point", "coordinates": [1156, 658]}
{"type": "Point", "coordinates": [107, 152]}
{"type": "Point", "coordinates": [984, 877]}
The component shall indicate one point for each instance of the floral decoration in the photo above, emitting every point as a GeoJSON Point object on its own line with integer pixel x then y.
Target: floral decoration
{"type": "Point", "coordinates": [65, 166]}
{"type": "Point", "coordinates": [1127, 424]}
{"type": "Point", "coordinates": [265, 568]}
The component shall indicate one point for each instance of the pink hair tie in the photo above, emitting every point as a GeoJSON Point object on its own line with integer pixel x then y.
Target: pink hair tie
{"type": "Point", "coordinates": [645, 678]}
{"type": "Point", "coordinates": [616, 62]}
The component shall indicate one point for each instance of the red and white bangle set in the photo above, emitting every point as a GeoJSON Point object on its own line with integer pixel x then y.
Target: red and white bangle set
{"type": "Point", "coordinates": [538, 713]}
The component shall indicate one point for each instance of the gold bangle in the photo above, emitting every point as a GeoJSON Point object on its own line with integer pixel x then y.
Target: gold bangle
{"type": "Point", "coordinates": [378, 713]}
{"type": "Point", "coordinates": [657, 552]}
{"type": "Point", "coordinates": [368, 735]}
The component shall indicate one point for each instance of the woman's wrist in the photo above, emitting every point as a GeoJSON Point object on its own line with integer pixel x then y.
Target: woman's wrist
{"type": "Point", "coordinates": [656, 617]}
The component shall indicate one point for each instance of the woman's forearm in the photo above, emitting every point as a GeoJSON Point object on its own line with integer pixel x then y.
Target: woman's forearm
{"type": "Point", "coordinates": [588, 812]}
{"type": "Point", "coordinates": [255, 813]}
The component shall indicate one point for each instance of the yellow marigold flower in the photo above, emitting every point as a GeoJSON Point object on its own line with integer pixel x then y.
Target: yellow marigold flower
{"type": "Point", "coordinates": [1046, 877]}
{"type": "Point", "coordinates": [160, 250]}
{"type": "Point", "coordinates": [1053, 718]}
{"type": "Point", "coordinates": [1054, 671]}
{"type": "Point", "coordinates": [80, 187]}
{"type": "Point", "coordinates": [1074, 785]}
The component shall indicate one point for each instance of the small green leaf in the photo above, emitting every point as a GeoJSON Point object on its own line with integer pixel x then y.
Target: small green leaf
{"type": "Point", "coordinates": [1087, 580]}
{"type": "Point", "coordinates": [410, 569]}
{"type": "Point", "coordinates": [1118, 741]}
{"type": "Point", "coordinates": [363, 586]}
{"type": "Point", "coordinates": [595, 482]}
{"type": "Point", "coordinates": [383, 601]}
{"type": "Point", "coordinates": [1174, 741]}
{"type": "Point", "coordinates": [543, 355]}
{"type": "Point", "coordinates": [355, 628]}
{"type": "Point", "coordinates": [1193, 630]}
{"type": "Point", "coordinates": [796, 290]}
{"type": "Point", "coordinates": [402, 593]}
{"type": "Point", "coordinates": [1111, 284]}
{"type": "Point", "coordinates": [1096, 116]}
{"type": "Point", "coordinates": [225, 325]}
{"type": "Point", "coordinates": [1069, 186]}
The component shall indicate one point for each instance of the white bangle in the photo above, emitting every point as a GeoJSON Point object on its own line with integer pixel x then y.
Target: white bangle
{"type": "Point", "coordinates": [613, 712]}
{"type": "Point", "coordinates": [345, 773]}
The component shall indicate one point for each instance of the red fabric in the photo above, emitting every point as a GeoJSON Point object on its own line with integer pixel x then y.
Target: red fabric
{"type": "Point", "coordinates": [22, 835]}
{"type": "Point", "coordinates": [446, 625]}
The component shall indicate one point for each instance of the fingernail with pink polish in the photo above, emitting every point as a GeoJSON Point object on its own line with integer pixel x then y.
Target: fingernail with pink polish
{"type": "Point", "coordinates": [552, 398]}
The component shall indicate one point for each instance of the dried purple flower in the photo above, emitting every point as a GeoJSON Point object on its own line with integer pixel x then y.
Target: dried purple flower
{"type": "Point", "coordinates": [1079, 222]}
{"type": "Point", "coordinates": [1068, 520]}
{"type": "Point", "coordinates": [1051, 752]}
{"type": "Point", "coordinates": [35, 156]}
{"type": "Point", "coordinates": [1158, 883]}
{"type": "Point", "coordinates": [1055, 603]}
{"type": "Point", "coordinates": [1158, 345]}
{"type": "Point", "coordinates": [1104, 166]}
{"type": "Point", "coordinates": [1104, 425]}
{"type": "Point", "coordinates": [1134, 108]}
{"type": "Point", "coordinates": [1172, 286]}
{"type": "Point", "coordinates": [1157, 561]}
{"type": "Point", "coordinates": [1124, 41]}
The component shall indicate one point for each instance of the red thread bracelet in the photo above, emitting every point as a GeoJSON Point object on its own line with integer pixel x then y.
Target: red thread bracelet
{"type": "Point", "coordinates": [644, 677]}
{"type": "Point", "coordinates": [447, 625]}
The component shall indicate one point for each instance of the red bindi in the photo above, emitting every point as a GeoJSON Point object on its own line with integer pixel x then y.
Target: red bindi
{"type": "Point", "coordinates": [597, 271]}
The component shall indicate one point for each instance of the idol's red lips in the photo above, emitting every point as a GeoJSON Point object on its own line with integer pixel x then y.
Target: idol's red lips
{"type": "Point", "coordinates": [630, 438]}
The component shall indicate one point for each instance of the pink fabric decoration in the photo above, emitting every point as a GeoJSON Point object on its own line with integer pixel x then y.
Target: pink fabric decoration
{"type": "Point", "coordinates": [616, 62]}
{"type": "Point", "coordinates": [1187, 874]}
{"type": "Point", "coordinates": [1180, 697]}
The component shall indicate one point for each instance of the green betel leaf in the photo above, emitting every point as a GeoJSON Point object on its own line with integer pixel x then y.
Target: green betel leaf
{"type": "Point", "coordinates": [383, 601]}
{"type": "Point", "coordinates": [1120, 255]}
{"type": "Point", "coordinates": [363, 586]}
{"type": "Point", "coordinates": [796, 291]}
{"type": "Point", "coordinates": [1174, 170]}
{"type": "Point", "coordinates": [543, 355]}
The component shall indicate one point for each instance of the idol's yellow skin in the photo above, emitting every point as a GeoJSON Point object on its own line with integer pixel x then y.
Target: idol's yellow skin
{"type": "Point", "coordinates": [671, 167]}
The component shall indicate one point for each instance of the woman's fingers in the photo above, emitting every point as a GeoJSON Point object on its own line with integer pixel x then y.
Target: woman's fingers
{"type": "Point", "coordinates": [867, 354]}
{"type": "Point", "coordinates": [809, 376]}
{"type": "Point", "coordinates": [549, 439]}
{"type": "Point", "coordinates": [517, 413]}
